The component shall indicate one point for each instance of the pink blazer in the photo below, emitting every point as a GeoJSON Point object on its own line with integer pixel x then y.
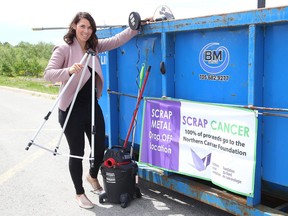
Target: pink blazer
{"type": "Point", "coordinates": [64, 56]}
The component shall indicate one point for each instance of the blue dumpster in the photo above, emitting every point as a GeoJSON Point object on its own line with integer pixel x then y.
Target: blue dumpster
{"type": "Point", "coordinates": [236, 59]}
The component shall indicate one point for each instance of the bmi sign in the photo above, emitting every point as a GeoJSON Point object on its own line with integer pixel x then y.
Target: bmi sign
{"type": "Point", "coordinates": [212, 142]}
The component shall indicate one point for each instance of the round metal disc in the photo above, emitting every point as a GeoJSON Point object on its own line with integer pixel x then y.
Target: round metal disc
{"type": "Point", "coordinates": [134, 20]}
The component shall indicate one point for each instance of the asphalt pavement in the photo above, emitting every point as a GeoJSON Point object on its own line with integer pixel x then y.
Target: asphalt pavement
{"type": "Point", "coordinates": [35, 182]}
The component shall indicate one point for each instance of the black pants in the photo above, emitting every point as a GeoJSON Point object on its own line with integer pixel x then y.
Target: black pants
{"type": "Point", "coordinates": [78, 125]}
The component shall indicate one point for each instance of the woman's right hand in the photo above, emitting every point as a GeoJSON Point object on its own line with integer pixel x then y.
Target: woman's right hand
{"type": "Point", "coordinates": [75, 68]}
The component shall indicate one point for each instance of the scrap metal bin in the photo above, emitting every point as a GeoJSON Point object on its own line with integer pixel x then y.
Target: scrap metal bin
{"type": "Point", "coordinates": [250, 73]}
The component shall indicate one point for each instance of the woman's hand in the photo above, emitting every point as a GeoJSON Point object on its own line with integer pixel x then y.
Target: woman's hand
{"type": "Point", "coordinates": [147, 21]}
{"type": "Point", "coordinates": [75, 68]}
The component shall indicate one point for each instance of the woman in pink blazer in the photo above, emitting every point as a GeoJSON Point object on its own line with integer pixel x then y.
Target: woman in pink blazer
{"type": "Point", "coordinates": [64, 62]}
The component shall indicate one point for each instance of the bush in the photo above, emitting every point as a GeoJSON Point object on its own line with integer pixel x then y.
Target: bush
{"type": "Point", "coordinates": [24, 59]}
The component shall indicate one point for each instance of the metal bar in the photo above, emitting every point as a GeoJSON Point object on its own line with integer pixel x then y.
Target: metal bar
{"type": "Point", "coordinates": [93, 126]}
{"type": "Point", "coordinates": [48, 28]}
{"type": "Point", "coordinates": [256, 107]}
{"type": "Point", "coordinates": [266, 108]}
{"type": "Point", "coordinates": [119, 93]}
{"type": "Point", "coordinates": [73, 101]}
{"type": "Point", "coordinates": [61, 28]}
{"type": "Point", "coordinates": [57, 153]}
{"type": "Point", "coordinates": [53, 107]}
{"type": "Point", "coordinates": [275, 114]}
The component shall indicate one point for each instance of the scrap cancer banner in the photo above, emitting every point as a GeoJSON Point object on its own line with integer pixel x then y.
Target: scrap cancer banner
{"type": "Point", "coordinates": [211, 142]}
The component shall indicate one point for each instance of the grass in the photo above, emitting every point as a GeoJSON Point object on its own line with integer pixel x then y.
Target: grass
{"type": "Point", "coordinates": [29, 83]}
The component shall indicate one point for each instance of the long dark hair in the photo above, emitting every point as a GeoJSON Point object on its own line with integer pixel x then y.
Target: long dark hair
{"type": "Point", "coordinates": [93, 40]}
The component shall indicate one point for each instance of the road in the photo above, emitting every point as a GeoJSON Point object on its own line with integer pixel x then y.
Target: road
{"type": "Point", "coordinates": [35, 182]}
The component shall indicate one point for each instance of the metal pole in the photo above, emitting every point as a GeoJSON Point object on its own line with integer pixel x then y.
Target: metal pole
{"type": "Point", "coordinates": [53, 107]}
{"type": "Point", "coordinates": [61, 28]}
{"type": "Point", "coordinates": [73, 101]}
{"type": "Point", "coordinates": [93, 127]}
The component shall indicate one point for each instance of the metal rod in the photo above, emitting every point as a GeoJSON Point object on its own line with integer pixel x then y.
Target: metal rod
{"type": "Point", "coordinates": [264, 108]}
{"type": "Point", "coordinates": [62, 28]}
{"type": "Point", "coordinates": [57, 153]}
{"type": "Point", "coordinates": [93, 127]}
{"type": "Point", "coordinates": [48, 28]}
{"type": "Point", "coordinates": [274, 114]}
{"type": "Point", "coordinates": [73, 101]}
{"type": "Point", "coordinates": [257, 107]}
{"type": "Point", "coordinates": [52, 108]}
{"type": "Point", "coordinates": [119, 93]}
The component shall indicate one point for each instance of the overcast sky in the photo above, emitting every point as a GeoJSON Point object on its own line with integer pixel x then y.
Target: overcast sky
{"type": "Point", "coordinates": [18, 17]}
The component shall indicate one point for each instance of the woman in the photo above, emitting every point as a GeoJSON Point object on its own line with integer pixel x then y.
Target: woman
{"type": "Point", "coordinates": [63, 63]}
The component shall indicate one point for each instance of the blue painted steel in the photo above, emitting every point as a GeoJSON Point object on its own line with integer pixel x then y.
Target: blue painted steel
{"type": "Point", "coordinates": [107, 102]}
{"type": "Point", "coordinates": [188, 46]}
{"type": "Point", "coordinates": [255, 97]}
{"type": "Point", "coordinates": [167, 68]}
{"type": "Point", "coordinates": [129, 62]}
{"type": "Point", "coordinates": [275, 134]}
{"type": "Point", "coordinates": [259, 17]}
{"type": "Point", "coordinates": [253, 49]}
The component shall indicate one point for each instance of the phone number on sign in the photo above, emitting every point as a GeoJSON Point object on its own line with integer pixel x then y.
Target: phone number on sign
{"type": "Point", "coordinates": [214, 77]}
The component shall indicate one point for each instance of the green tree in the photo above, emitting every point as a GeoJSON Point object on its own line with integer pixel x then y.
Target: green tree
{"type": "Point", "coordinates": [24, 59]}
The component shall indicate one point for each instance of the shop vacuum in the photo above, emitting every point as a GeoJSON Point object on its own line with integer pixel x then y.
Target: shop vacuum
{"type": "Point", "coordinates": [119, 174]}
{"type": "Point", "coordinates": [118, 170]}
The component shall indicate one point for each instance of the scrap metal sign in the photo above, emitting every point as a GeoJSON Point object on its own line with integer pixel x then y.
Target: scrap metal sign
{"type": "Point", "coordinates": [211, 142]}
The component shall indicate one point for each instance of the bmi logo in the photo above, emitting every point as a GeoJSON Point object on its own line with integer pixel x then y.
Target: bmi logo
{"type": "Point", "coordinates": [214, 58]}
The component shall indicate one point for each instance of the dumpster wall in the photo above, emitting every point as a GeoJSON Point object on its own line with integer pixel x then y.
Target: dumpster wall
{"type": "Point", "coordinates": [237, 59]}
{"type": "Point", "coordinates": [275, 80]}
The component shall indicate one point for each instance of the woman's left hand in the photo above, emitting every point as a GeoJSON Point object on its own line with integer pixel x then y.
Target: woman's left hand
{"type": "Point", "coordinates": [147, 21]}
